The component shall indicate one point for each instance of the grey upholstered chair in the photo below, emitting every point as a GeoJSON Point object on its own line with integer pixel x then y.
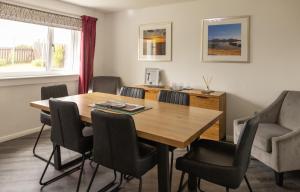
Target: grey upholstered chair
{"type": "Point", "coordinates": [277, 142]}
{"type": "Point", "coordinates": [69, 132]}
{"type": "Point", "coordinates": [218, 162]}
{"type": "Point", "coordinates": [116, 147]}
{"type": "Point", "coordinates": [45, 118]}
{"type": "Point", "coordinates": [106, 84]}
{"type": "Point", "coordinates": [133, 92]}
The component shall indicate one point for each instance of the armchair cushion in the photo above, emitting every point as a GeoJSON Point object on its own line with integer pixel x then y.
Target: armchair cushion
{"type": "Point", "coordinates": [265, 133]}
{"type": "Point", "coordinates": [290, 111]}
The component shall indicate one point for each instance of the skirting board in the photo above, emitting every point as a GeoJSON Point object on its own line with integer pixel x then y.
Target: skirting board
{"type": "Point", "coordinates": [21, 134]}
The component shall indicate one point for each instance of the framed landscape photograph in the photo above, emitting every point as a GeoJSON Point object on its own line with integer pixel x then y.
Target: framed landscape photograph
{"type": "Point", "coordinates": [226, 40]}
{"type": "Point", "coordinates": [155, 42]}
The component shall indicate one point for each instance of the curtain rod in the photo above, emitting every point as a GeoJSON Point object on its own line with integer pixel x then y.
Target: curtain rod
{"type": "Point", "coordinates": [37, 8]}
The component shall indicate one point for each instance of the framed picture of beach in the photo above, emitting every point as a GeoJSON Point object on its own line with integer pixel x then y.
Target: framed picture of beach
{"type": "Point", "coordinates": [226, 40]}
{"type": "Point", "coordinates": [155, 42]}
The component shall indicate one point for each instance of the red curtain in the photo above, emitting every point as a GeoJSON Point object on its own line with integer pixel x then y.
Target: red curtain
{"type": "Point", "coordinates": [87, 52]}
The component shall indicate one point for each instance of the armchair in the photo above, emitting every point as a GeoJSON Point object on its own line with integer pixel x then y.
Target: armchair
{"type": "Point", "coordinates": [277, 141]}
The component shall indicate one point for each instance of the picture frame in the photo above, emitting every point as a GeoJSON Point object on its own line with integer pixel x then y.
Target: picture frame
{"type": "Point", "coordinates": [155, 42]}
{"type": "Point", "coordinates": [152, 76]}
{"type": "Point", "coordinates": [226, 40]}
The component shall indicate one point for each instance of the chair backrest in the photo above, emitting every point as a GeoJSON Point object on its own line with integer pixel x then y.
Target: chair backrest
{"type": "Point", "coordinates": [106, 84]}
{"type": "Point", "coordinates": [67, 127]}
{"type": "Point", "coordinates": [115, 141]}
{"type": "Point", "coordinates": [289, 116]}
{"type": "Point", "coordinates": [244, 145]}
{"type": "Point", "coordinates": [133, 92]}
{"type": "Point", "coordinates": [54, 91]}
{"type": "Point", "coordinates": [174, 97]}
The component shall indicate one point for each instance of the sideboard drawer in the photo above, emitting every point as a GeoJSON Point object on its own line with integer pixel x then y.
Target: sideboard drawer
{"type": "Point", "coordinates": [205, 102]}
{"type": "Point", "coordinates": [151, 95]}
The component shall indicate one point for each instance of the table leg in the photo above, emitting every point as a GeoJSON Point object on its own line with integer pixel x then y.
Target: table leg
{"type": "Point", "coordinates": [58, 163]}
{"type": "Point", "coordinates": [192, 183]}
{"type": "Point", "coordinates": [163, 168]}
{"type": "Point", "coordinates": [57, 158]}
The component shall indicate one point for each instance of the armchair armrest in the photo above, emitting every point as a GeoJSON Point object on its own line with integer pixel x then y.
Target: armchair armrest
{"type": "Point", "coordinates": [242, 120]}
{"type": "Point", "coordinates": [238, 126]}
{"type": "Point", "coordinates": [286, 151]}
{"type": "Point", "coordinates": [271, 113]}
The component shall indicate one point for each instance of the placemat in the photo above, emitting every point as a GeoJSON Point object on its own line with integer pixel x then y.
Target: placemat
{"type": "Point", "coordinates": [108, 109]}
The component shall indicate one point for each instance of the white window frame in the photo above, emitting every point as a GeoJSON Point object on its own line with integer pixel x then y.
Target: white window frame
{"type": "Point", "coordinates": [73, 68]}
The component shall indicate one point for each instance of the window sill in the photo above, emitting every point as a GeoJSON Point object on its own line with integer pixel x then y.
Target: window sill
{"type": "Point", "coordinates": [36, 79]}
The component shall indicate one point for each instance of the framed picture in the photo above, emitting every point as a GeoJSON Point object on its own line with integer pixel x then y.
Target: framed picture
{"type": "Point", "coordinates": [152, 76]}
{"type": "Point", "coordinates": [155, 42]}
{"type": "Point", "coordinates": [226, 40]}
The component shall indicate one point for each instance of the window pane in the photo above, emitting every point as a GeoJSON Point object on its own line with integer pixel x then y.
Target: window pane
{"type": "Point", "coordinates": [64, 49]}
{"type": "Point", "coordinates": [23, 47]}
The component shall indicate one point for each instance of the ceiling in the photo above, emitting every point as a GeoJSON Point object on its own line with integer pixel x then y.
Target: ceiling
{"type": "Point", "coordinates": [119, 5]}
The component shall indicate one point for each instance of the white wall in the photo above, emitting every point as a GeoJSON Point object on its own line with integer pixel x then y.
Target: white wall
{"type": "Point", "coordinates": [16, 116]}
{"type": "Point", "coordinates": [275, 49]}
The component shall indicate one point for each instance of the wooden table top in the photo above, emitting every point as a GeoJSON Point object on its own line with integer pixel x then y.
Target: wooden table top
{"type": "Point", "coordinates": [174, 125]}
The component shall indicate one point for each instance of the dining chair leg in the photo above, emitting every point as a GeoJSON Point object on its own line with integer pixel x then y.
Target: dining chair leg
{"type": "Point", "coordinates": [109, 185]}
{"type": "Point", "coordinates": [48, 162]}
{"type": "Point", "coordinates": [140, 184]}
{"type": "Point", "coordinates": [37, 139]}
{"type": "Point", "coordinates": [35, 144]}
{"type": "Point", "coordinates": [80, 174]}
{"type": "Point", "coordinates": [227, 189]}
{"type": "Point", "coordinates": [93, 177]}
{"type": "Point", "coordinates": [199, 185]}
{"type": "Point", "coordinates": [171, 168]}
{"type": "Point", "coordinates": [181, 182]}
{"type": "Point", "coordinates": [128, 177]}
{"type": "Point", "coordinates": [59, 176]}
{"type": "Point", "coordinates": [118, 187]}
{"type": "Point", "coordinates": [248, 184]}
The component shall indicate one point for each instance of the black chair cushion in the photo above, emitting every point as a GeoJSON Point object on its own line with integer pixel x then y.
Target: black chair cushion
{"type": "Point", "coordinates": [85, 144]}
{"type": "Point", "coordinates": [174, 97]}
{"type": "Point", "coordinates": [106, 84]}
{"type": "Point", "coordinates": [54, 91]}
{"type": "Point", "coordinates": [116, 145]}
{"type": "Point", "coordinates": [133, 92]}
{"type": "Point", "coordinates": [67, 127]}
{"type": "Point", "coordinates": [212, 161]}
{"type": "Point", "coordinates": [45, 118]}
{"type": "Point", "coordinates": [48, 92]}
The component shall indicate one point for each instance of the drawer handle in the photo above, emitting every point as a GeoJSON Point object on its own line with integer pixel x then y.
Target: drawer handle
{"type": "Point", "coordinates": [202, 97]}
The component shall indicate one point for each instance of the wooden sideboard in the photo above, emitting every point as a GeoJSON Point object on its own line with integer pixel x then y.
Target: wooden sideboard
{"type": "Point", "coordinates": [215, 101]}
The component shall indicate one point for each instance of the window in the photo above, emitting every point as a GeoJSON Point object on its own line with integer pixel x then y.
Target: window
{"type": "Point", "coordinates": [37, 49]}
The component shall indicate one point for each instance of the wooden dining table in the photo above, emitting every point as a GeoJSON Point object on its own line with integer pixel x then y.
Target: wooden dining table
{"type": "Point", "coordinates": [169, 125]}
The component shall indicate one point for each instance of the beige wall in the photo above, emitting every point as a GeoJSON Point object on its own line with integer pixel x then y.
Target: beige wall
{"type": "Point", "coordinates": [16, 117]}
{"type": "Point", "coordinates": [275, 49]}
